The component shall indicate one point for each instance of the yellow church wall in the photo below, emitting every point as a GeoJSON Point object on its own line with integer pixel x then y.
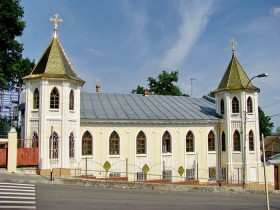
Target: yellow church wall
{"type": "Point", "coordinates": [154, 157]}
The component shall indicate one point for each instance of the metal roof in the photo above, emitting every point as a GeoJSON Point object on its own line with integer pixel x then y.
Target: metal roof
{"type": "Point", "coordinates": [115, 106]}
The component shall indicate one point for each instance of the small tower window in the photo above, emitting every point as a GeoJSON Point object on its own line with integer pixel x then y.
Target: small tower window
{"type": "Point", "coordinates": [222, 107]}
{"type": "Point", "coordinates": [71, 100]}
{"type": "Point", "coordinates": [36, 99]}
{"type": "Point", "coordinates": [236, 141]}
{"type": "Point", "coordinates": [223, 142]}
{"type": "Point", "coordinates": [114, 144]}
{"type": "Point", "coordinates": [249, 105]}
{"type": "Point", "coordinates": [71, 145]}
{"type": "Point", "coordinates": [235, 105]}
{"type": "Point", "coordinates": [189, 142]}
{"type": "Point", "coordinates": [251, 141]}
{"type": "Point", "coordinates": [53, 144]}
{"type": "Point", "coordinates": [54, 100]}
{"type": "Point", "coordinates": [166, 142]}
{"type": "Point", "coordinates": [211, 141]}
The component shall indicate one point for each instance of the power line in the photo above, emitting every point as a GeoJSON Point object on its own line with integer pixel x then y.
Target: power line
{"type": "Point", "coordinates": [275, 115]}
{"type": "Point", "coordinates": [271, 104]}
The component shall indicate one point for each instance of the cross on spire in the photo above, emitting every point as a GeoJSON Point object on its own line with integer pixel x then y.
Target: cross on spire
{"type": "Point", "coordinates": [55, 20]}
{"type": "Point", "coordinates": [233, 43]}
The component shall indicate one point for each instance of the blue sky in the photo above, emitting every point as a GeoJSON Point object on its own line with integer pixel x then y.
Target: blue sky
{"type": "Point", "coordinates": [122, 43]}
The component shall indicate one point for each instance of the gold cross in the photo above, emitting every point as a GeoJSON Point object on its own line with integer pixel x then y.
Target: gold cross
{"type": "Point", "coordinates": [56, 20]}
{"type": "Point", "coordinates": [233, 43]}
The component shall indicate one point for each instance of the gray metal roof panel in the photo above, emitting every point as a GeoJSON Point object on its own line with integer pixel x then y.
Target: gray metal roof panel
{"type": "Point", "coordinates": [113, 106]}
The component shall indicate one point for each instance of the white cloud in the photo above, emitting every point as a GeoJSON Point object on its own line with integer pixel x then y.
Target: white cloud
{"type": "Point", "coordinates": [195, 16]}
{"type": "Point", "coordinates": [94, 51]}
{"type": "Point", "coordinates": [276, 10]}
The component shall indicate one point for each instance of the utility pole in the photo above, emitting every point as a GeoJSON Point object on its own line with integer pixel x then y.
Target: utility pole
{"type": "Point", "coordinates": [192, 86]}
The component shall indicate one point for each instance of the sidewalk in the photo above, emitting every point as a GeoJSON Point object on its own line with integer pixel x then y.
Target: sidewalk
{"type": "Point", "coordinates": [22, 177]}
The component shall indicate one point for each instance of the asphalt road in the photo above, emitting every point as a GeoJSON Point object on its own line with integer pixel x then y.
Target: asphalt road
{"type": "Point", "coordinates": [76, 197]}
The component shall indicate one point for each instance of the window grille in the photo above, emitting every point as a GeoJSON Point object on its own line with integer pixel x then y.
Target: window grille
{"type": "Point", "coordinates": [249, 105]}
{"type": "Point", "coordinates": [71, 100]}
{"type": "Point", "coordinates": [211, 141]}
{"type": "Point", "coordinates": [190, 174]}
{"type": "Point", "coordinates": [223, 142]}
{"type": "Point", "coordinates": [35, 140]}
{"type": "Point", "coordinates": [114, 175]}
{"type": "Point", "coordinates": [235, 105]}
{"type": "Point", "coordinates": [222, 107]}
{"type": "Point", "coordinates": [212, 173]}
{"type": "Point", "coordinates": [167, 175]}
{"type": "Point", "coordinates": [141, 176]}
{"type": "Point", "coordinates": [251, 141]}
{"type": "Point", "coordinates": [223, 174]}
{"type": "Point", "coordinates": [236, 141]}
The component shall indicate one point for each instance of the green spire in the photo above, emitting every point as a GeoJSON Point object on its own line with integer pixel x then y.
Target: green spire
{"type": "Point", "coordinates": [235, 78]}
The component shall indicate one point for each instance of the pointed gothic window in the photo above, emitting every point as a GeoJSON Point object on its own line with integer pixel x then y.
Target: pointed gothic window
{"type": "Point", "coordinates": [36, 99]}
{"type": "Point", "coordinates": [249, 105]}
{"type": "Point", "coordinates": [114, 144]}
{"type": "Point", "coordinates": [211, 141]}
{"type": "Point", "coordinates": [53, 146]}
{"type": "Point", "coordinates": [166, 142]}
{"type": "Point", "coordinates": [223, 142]}
{"type": "Point", "coordinates": [141, 143]}
{"type": "Point", "coordinates": [71, 145]}
{"type": "Point", "coordinates": [235, 105]}
{"type": "Point", "coordinates": [189, 142]}
{"type": "Point", "coordinates": [71, 100]}
{"type": "Point", "coordinates": [236, 141]}
{"type": "Point", "coordinates": [87, 143]}
{"type": "Point", "coordinates": [251, 141]}
{"type": "Point", "coordinates": [54, 100]}
{"type": "Point", "coordinates": [222, 107]}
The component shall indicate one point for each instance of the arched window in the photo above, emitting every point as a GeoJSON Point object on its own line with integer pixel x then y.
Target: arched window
{"type": "Point", "coordinates": [223, 141]}
{"type": "Point", "coordinates": [53, 146]}
{"type": "Point", "coordinates": [166, 142]}
{"type": "Point", "coordinates": [211, 141]}
{"type": "Point", "coordinates": [54, 99]}
{"type": "Point", "coordinates": [141, 143]}
{"type": "Point", "coordinates": [35, 140]}
{"type": "Point", "coordinates": [236, 141]}
{"type": "Point", "coordinates": [249, 105]}
{"type": "Point", "coordinates": [71, 100]}
{"type": "Point", "coordinates": [87, 143]}
{"type": "Point", "coordinates": [114, 143]}
{"type": "Point", "coordinates": [235, 105]}
{"type": "Point", "coordinates": [36, 99]}
{"type": "Point", "coordinates": [189, 142]}
{"type": "Point", "coordinates": [222, 106]}
{"type": "Point", "coordinates": [71, 145]}
{"type": "Point", "coordinates": [251, 141]}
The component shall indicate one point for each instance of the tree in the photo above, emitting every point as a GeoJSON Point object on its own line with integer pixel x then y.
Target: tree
{"type": "Point", "coordinates": [265, 125]}
{"type": "Point", "coordinates": [12, 66]}
{"type": "Point", "coordinates": [163, 85]}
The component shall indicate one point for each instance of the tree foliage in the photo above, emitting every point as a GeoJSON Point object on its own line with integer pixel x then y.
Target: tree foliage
{"type": "Point", "coordinates": [162, 85]}
{"type": "Point", "coordinates": [265, 125]}
{"type": "Point", "coordinates": [12, 66]}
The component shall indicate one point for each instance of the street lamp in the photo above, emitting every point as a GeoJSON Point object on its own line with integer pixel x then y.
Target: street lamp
{"type": "Point", "coordinates": [245, 131]}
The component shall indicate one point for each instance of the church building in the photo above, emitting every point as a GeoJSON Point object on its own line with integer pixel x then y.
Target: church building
{"type": "Point", "coordinates": [142, 137]}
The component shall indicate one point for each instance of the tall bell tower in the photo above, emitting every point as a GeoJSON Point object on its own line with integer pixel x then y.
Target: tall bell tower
{"type": "Point", "coordinates": [52, 110]}
{"type": "Point", "coordinates": [237, 103]}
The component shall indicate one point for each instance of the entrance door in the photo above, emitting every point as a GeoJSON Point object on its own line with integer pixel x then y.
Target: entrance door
{"type": "Point", "coordinates": [276, 181]}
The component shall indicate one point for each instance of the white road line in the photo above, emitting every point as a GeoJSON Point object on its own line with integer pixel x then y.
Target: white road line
{"type": "Point", "coordinates": [17, 207]}
{"type": "Point", "coordinates": [4, 183]}
{"type": "Point", "coordinates": [17, 190]}
{"type": "Point", "coordinates": [29, 202]}
{"type": "Point", "coordinates": [17, 187]}
{"type": "Point", "coordinates": [19, 198]}
{"type": "Point", "coordinates": [11, 193]}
